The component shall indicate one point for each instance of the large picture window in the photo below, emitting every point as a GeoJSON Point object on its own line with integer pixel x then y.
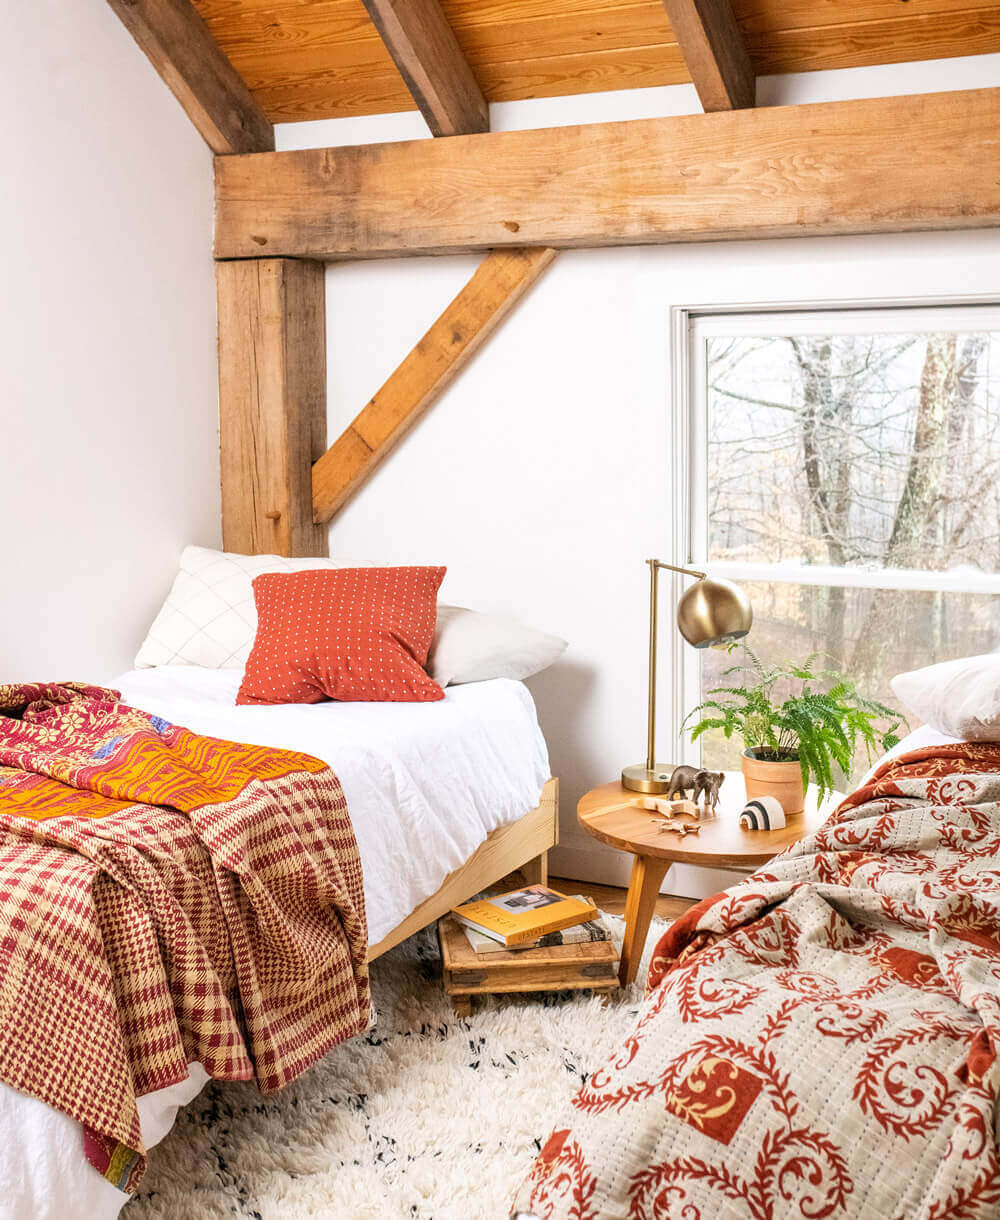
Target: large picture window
{"type": "Point", "coordinates": [845, 467]}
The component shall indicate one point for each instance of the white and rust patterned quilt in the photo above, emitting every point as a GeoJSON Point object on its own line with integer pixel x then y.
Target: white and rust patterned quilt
{"type": "Point", "coordinates": [820, 1040]}
{"type": "Point", "coordinates": [165, 898]}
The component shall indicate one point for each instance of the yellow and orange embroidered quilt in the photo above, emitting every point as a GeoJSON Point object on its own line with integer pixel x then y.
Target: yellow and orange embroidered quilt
{"type": "Point", "coordinates": [165, 898]}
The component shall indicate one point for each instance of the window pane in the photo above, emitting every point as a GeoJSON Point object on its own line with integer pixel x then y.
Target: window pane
{"type": "Point", "coordinates": [880, 634]}
{"type": "Point", "coordinates": [871, 450]}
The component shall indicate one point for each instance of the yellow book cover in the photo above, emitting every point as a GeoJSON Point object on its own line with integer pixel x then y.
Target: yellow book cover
{"type": "Point", "coordinates": [524, 915]}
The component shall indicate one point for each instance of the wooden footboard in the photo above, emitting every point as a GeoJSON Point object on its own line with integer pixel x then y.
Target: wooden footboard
{"type": "Point", "coordinates": [520, 845]}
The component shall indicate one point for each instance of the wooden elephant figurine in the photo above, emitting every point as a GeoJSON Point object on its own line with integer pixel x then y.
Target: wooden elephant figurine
{"type": "Point", "coordinates": [707, 786]}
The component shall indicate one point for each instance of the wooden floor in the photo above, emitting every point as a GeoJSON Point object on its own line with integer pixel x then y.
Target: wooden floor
{"type": "Point", "coordinates": [610, 898]}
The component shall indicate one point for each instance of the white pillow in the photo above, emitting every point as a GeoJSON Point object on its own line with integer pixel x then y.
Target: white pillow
{"type": "Point", "coordinates": [958, 698]}
{"type": "Point", "coordinates": [209, 617]}
{"type": "Point", "coordinates": [473, 647]}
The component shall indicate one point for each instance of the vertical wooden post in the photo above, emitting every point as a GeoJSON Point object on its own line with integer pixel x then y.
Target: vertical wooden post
{"type": "Point", "coordinates": [272, 403]}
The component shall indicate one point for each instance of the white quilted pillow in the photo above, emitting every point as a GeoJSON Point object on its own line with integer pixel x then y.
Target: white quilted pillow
{"type": "Point", "coordinates": [958, 698]}
{"type": "Point", "coordinates": [209, 617]}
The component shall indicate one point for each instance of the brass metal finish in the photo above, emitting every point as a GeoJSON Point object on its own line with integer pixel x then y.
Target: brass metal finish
{"type": "Point", "coordinates": [712, 611]}
{"type": "Point", "coordinates": [655, 779]}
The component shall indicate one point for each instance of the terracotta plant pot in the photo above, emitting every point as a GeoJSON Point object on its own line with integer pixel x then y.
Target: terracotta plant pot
{"type": "Point", "coordinates": [778, 779]}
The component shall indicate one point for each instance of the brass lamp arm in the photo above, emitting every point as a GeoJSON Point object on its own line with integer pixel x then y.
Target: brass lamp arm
{"type": "Point", "coordinates": [673, 568]}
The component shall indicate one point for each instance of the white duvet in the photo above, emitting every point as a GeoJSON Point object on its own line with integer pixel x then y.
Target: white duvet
{"type": "Point", "coordinates": [425, 784]}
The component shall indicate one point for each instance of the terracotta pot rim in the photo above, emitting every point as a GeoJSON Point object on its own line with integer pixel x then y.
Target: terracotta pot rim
{"type": "Point", "coordinates": [793, 761]}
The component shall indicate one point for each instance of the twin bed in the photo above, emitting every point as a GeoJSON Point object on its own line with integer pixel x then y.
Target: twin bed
{"type": "Point", "coordinates": [444, 798]}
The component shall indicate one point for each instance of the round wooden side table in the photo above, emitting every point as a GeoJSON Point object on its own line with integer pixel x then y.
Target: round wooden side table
{"type": "Point", "coordinates": [611, 813]}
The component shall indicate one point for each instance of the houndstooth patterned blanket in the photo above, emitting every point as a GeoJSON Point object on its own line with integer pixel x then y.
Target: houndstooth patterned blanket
{"type": "Point", "coordinates": [821, 1040]}
{"type": "Point", "coordinates": [165, 898]}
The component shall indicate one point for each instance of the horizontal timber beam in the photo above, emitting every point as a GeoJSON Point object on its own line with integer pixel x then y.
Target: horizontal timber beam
{"type": "Point", "coordinates": [496, 286]}
{"type": "Point", "coordinates": [177, 43]}
{"type": "Point", "coordinates": [884, 165]}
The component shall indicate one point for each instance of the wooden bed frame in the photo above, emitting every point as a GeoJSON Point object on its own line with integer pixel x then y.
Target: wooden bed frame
{"type": "Point", "coordinates": [520, 845]}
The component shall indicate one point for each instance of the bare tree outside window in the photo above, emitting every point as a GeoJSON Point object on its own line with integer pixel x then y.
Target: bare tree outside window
{"type": "Point", "coordinates": [877, 453]}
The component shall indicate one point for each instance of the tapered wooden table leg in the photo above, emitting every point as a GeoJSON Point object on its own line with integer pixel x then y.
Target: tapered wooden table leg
{"type": "Point", "coordinates": [643, 889]}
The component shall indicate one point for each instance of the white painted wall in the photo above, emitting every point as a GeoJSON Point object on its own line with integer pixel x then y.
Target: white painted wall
{"type": "Point", "coordinates": [541, 476]}
{"type": "Point", "coordinates": [109, 452]}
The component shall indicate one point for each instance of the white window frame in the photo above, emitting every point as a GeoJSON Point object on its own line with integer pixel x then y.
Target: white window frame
{"type": "Point", "coordinates": [691, 326]}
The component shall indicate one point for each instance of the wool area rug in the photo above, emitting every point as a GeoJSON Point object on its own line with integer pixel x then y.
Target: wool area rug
{"type": "Point", "coordinates": [427, 1117]}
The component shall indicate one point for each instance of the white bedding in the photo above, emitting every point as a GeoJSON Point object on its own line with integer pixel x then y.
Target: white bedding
{"type": "Point", "coordinates": [917, 740]}
{"type": "Point", "coordinates": [425, 784]}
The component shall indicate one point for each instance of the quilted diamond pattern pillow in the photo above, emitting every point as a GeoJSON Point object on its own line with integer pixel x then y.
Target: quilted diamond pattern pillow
{"type": "Point", "coordinates": [209, 617]}
{"type": "Point", "coordinates": [358, 634]}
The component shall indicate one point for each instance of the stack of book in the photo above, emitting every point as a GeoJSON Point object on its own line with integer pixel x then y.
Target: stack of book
{"type": "Point", "coordinates": [531, 918]}
{"type": "Point", "coordinates": [532, 939]}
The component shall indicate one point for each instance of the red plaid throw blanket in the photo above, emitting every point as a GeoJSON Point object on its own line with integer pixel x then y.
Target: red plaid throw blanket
{"type": "Point", "coordinates": [820, 1040]}
{"type": "Point", "coordinates": [165, 898]}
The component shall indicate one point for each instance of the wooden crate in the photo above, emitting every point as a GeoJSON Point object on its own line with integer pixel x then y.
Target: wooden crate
{"type": "Point", "coordinates": [592, 965]}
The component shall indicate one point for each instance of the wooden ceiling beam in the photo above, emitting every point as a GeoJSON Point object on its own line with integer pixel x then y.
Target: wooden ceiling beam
{"type": "Point", "coordinates": [715, 52]}
{"type": "Point", "coordinates": [875, 165]}
{"type": "Point", "coordinates": [424, 48]}
{"type": "Point", "coordinates": [178, 44]}
{"type": "Point", "coordinates": [498, 283]}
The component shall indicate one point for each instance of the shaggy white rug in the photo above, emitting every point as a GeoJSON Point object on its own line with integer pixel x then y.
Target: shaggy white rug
{"type": "Point", "coordinates": [427, 1117]}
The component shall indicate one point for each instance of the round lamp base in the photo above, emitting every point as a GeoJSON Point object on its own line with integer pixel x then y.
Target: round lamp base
{"type": "Point", "coordinates": [640, 778]}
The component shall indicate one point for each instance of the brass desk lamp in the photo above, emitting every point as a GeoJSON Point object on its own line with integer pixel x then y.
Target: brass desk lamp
{"type": "Point", "coordinates": [712, 611]}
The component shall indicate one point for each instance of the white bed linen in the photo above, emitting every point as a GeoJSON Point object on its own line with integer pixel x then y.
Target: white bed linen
{"type": "Point", "coordinates": [917, 740]}
{"type": "Point", "coordinates": [425, 784]}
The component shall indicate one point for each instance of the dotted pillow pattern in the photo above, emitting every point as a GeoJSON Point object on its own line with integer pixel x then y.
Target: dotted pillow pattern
{"type": "Point", "coordinates": [350, 634]}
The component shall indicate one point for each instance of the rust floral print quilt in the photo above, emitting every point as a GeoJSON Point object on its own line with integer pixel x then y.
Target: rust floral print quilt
{"type": "Point", "coordinates": [165, 898]}
{"type": "Point", "coordinates": [820, 1040]}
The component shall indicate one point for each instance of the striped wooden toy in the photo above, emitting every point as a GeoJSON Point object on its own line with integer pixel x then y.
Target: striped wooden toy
{"type": "Point", "coordinates": [764, 813]}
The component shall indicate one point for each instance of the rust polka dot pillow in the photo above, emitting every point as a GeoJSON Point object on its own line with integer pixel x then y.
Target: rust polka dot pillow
{"type": "Point", "coordinates": [352, 634]}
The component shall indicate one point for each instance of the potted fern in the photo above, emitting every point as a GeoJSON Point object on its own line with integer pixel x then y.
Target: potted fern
{"type": "Point", "coordinates": [788, 741]}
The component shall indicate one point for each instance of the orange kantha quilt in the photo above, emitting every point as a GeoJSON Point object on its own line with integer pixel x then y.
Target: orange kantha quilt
{"type": "Point", "coordinates": [822, 1039]}
{"type": "Point", "coordinates": [165, 898]}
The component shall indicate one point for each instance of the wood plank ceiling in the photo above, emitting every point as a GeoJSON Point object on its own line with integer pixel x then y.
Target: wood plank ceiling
{"type": "Point", "coordinates": [313, 59]}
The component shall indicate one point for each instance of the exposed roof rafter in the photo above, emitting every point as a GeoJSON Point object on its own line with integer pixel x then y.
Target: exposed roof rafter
{"type": "Point", "coordinates": [306, 59]}
{"type": "Point", "coordinates": [424, 48]}
{"type": "Point", "coordinates": [179, 46]}
{"type": "Point", "coordinates": [715, 52]}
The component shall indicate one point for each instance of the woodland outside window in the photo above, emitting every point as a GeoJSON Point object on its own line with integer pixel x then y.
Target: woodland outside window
{"type": "Point", "coordinates": [845, 467]}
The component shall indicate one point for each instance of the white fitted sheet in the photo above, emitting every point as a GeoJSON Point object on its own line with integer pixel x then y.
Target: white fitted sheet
{"type": "Point", "coordinates": [425, 784]}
